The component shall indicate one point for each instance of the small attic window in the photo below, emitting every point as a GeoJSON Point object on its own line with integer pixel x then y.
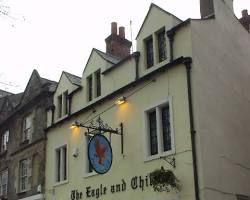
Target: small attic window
{"type": "Point", "coordinates": [90, 87]}
{"type": "Point", "coordinates": [162, 51]}
{"type": "Point", "coordinates": [149, 52]}
{"type": "Point", "coordinates": [98, 83]}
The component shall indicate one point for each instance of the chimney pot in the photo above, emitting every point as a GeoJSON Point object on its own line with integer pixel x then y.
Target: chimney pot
{"type": "Point", "coordinates": [122, 32]}
{"type": "Point", "coordinates": [244, 13]}
{"type": "Point", "coordinates": [114, 28]}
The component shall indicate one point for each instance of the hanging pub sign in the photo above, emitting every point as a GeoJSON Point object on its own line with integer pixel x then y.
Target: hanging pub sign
{"type": "Point", "coordinates": [100, 154]}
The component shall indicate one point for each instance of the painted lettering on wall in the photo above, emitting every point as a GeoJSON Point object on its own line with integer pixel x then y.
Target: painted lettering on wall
{"type": "Point", "coordinates": [135, 183]}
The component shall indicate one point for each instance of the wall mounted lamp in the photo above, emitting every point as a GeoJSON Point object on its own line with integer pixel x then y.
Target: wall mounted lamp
{"type": "Point", "coordinates": [99, 128]}
{"type": "Point", "coordinates": [120, 100]}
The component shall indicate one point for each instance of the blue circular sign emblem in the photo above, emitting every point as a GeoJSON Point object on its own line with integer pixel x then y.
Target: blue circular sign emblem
{"type": "Point", "coordinates": [100, 154]}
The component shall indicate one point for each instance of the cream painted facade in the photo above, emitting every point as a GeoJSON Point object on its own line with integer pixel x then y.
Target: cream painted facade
{"type": "Point", "coordinates": [207, 107]}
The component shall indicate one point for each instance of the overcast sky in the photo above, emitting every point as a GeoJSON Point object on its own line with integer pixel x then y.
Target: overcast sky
{"type": "Point", "coordinates": [58, 35]}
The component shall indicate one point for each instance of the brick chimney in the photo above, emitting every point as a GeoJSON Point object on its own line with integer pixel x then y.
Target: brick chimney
{"type": "Point", "coordinates": [117, 44]}
{"type": "Point", "coordinates": [245, 20]}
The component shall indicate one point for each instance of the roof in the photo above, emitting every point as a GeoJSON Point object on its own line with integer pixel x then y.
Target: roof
{"type": "Point", "coordinates": [108, 57]}
{"type": "Point", "coordinates": [4, 93]}
{"type": "Point", "coordinates": [15, 99]}
{"type": "Point", "coordinates": [151, 6]}
{"type": "Point", "coordinates": [76, 80]}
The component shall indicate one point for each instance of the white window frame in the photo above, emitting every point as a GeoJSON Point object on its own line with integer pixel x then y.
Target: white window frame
{"type": "Point", "coordinates": [27, 130]}
{"type": "Point", "coordinates": [62, 107]}
{"type": "Point", "coordinates": [161, 152]}
{"type": "Point", "coordinates": [4, 141]}
{"type": "Point", "coordinates": [4, 182]}
{"type": "Point", "coordinates": [86, 172]}
{"type": "Point", "coordinates": [23, 175]}
{"type": "Point", "coordinates": [62, 161]}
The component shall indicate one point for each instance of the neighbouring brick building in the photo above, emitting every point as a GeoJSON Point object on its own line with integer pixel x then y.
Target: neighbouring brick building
{"type": "Point", "coordinates": [22, 156]}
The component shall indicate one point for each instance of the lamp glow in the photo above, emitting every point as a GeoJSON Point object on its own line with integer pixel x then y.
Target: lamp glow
{"type": "Point", "coordinates": [74, 125]}
{"type": "Point", "coordinates": [120, 100]}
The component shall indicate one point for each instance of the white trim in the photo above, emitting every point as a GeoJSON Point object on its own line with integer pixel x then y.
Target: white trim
{"type": "Point", "coordinates": [55, 164]}
{"type": "Point", "coordinates": [156, 106]}
{"type": "Point", "coordinates": [34, 197]}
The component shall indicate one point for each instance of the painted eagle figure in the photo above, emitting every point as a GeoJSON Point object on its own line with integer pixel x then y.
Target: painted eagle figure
{"type": "Point", "coordinates": [100, 151]}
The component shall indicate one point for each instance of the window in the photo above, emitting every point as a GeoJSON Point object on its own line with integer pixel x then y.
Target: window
{"type": "Point", "coordinates": [89, 88]}
{"type": "Point", "coordinates": [149, 52]}
{"type": "Point", "coordinates": [59, 106]}
{"type": "Point", "coordinates": [65, 103]}
{"type": "Point", "coordinates": [98, 83]}
{"type": "Point", "coordinates": [159, 131]}
{"type": "Point", "coordinates": [3, 183]}
{"type": "Point", "coordinates": [23, 175]}
{"type": "Point", "coordinates": [162, 46]}
{"type": "Point", "coordinates": [27, 126]}
{"type": "Point", "coordinates": [88, 165]}
{"type": "Point", "coordinates": [4, 141]}
{"type": "Point", "coordinates": [61, 164]}
{"type": "Point", "coordinates": [62, 104]}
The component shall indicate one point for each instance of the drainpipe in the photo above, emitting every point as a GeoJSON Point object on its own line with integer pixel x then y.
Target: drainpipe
{"type": "Point", "coordinates": [170, 35]}
{"type": "Point", "coordinates": [53, 114]}
{"type": "Point", "coordinates": [188, 62]}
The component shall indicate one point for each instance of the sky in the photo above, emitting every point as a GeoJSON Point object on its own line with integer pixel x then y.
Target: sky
{"type": "Point", "coordinates": [58, 35]}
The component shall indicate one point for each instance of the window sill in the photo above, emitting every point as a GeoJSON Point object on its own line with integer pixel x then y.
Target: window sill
{"type": "Point", "coordinates": [60, 183]}
{"type": "Point", "coordinates": [87, 175]}
{"type": "Point", "coordinates": [61, 118]}
{"type": "Point", "coordinates": [22, 192]}
{"type": "Point", "coordinates": [25, 142]}
{"type": "Point", "coordinates": [3, 153]}
{"type": "Point", "coordinates": [158, 156]}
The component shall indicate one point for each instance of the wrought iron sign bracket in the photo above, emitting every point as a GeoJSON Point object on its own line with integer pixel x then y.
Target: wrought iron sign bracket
{"type": "Point", "coordinates": [100, 128]}
{"type": "Point", "coordinates": [170, 161]}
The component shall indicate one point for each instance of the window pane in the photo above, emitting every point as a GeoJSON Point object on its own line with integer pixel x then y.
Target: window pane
{"type": "Point", "coordinates": [98, 83]}
{"type": "Point", "coordinates": [27, 123]}
{"type": "Point", "coordinates": [23, 175]}
{"type": "Point", "coordinates": [89, 84]}
{"type": "Point", "coordinates": [150, 53]}
{"type": "Point", "coordinates": [65, 103]}
{"type": "Point", "coordinates": [59, 106]}
{"type": "Point", "coordinates": [58, 167]}
{"type": "Point", "coordinates": [153, 133]}
{"type": "Point", "coordinates": [166, 129]}
{"type": "Point", "coordinates": [64, 163]}
{"type": "Point", "coordinates": [90, 168]}
{"type": "Point", "coordinates": [162, 46]}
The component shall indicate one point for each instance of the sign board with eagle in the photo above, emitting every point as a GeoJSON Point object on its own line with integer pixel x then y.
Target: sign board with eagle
{"type": "Point", "coordinates": [100, 154]}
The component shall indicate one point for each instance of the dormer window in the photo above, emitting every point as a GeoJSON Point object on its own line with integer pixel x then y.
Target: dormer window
{"type": "Point", "coordinates": [162, 45]}
{"type": "Point", "coordinates": [59, 106]}
{"type": "Point", "coordinates": [94, 85]}
{"type": "Point", "coordinates": [90, 87]}
{"type": "Point", "coordinates": [98, 83]}
{"type": "Point", "coordinates": [62, 104]}
{"type": "Point", "coordinates": [27, 127]}
{"type": "Point", "coordinates": [149, 52]}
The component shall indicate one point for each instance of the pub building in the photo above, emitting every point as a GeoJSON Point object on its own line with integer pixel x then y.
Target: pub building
{"type": "Point", "coordinates": [173, 109]}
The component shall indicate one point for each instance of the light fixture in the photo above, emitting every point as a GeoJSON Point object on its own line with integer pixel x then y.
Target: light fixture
{"type": "Point", "coordinates": [74, 125]}
{"type": "Point", "coordinates": [120, 100]}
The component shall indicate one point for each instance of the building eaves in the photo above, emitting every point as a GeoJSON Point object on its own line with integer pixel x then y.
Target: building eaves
{"type": "Point", "coordinates": [180, 60]}
{"type": "Point", "coordinates": [120, 63]}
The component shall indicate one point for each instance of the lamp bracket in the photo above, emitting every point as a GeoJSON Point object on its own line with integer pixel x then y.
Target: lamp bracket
{"type": "Point", "coordinates": [170, 160]}
{"type": "Point", "coordinates": [98, 127]}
